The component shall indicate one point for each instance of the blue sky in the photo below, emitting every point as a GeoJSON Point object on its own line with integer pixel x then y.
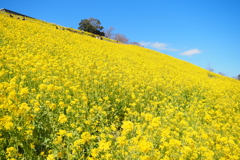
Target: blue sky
{"type": "Point", "coordinates": [203, 32]}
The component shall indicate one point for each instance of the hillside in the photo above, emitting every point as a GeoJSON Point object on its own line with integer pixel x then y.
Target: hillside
{"type": "Point", "coordinates": [70, 96]}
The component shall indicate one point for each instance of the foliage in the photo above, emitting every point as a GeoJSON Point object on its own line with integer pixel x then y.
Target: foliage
{"type": "Point", "coordinates": [68, 96]}
{"type": "Point", "coordinates": [91, 25]}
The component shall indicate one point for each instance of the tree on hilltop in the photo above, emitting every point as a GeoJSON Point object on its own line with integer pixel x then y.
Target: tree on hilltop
{"type": "Point", "coordinates": [136, 43]}
{"type": "Point", "coordinates": [108, 32]}
{"type": "Point", "coordinates": [221, 73]}
{"type": "Point", "coordinates": [91, 25]}
{"type": "Point", "coordinates": [120, 37]}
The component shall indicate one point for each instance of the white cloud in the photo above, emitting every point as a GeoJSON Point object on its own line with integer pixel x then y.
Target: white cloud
{"type": "Point", "coordinates": [190, 52]}
{"type": "Point", "coordinates": [157, 45]}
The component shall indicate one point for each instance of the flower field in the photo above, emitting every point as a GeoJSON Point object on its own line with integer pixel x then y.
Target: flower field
{"type": "Point", "coordinates": [68, 96]}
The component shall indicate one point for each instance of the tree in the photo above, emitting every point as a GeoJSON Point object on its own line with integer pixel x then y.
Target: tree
{"type": "Point", "coordinates": [210, 68]}
{"type": "Point", "coordinates": [91, 25]}
{"type": "Point", "coordinates": [136, 43]}
{"type": "Point", "coordinates": [120, 37]}
{"type": "Point", "coordinates": [108, 32]}
{"type": "Point", "coordinates": [221, 73]}
{"type": "Point", "coordinates": [239, 77]}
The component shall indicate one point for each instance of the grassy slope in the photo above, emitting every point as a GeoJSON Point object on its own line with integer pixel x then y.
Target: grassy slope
{"type": "Point", "coordinates": [108, 100]}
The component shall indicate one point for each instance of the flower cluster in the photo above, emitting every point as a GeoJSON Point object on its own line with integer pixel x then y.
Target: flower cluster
{"type": "Point", "coordinates": [70, 96]}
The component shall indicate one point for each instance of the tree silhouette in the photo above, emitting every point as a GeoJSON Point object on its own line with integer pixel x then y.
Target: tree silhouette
{"type": "Point", "coordinates": [91, 25]}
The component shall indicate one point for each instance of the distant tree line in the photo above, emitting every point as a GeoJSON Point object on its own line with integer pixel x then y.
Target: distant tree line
{"type": "Point", "coordinates": [221, 73]}
{"type": "Point", "coordinates": [93, 25]}
{"type": "Point", "coordinates": [237, 77]}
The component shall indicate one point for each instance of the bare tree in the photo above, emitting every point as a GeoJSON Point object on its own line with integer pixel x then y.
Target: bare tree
{"type": "Point", "coordinates": [108, 32]}
{"type": "Point", "coordinates": [120, 37]}
{"type": "Point", "coordinates": [136, 43]}
{"type": "Point", "coordinates": [210, 68]}
{"type": "Point", "coordinates": [239, 77]}
{"type": "Point", "coordinates": [221, 73]}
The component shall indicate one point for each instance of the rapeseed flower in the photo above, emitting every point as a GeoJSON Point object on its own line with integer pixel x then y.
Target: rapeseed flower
{"type": "Point", "coordinates": [62, 118]}
{"type": "Point", "coordinates": [69, 96]}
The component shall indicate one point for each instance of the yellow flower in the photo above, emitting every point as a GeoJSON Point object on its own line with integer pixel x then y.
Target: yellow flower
{"type": "Point", "coordinates": [94, 152]}
{"type": "Point", "coordinates": [145, 146]}
{"type": "Point", "coordinates": [84, 98]}
{"type": "Point", "coordinates": [62, 118]}
{"type": "Point", "coordinates": [79, 129]}
{"type": "Point", "coordinates": [145, 158]}
{"type": "Point", "coordinates": [8, 125]}
{"type": "Point", "coordinates": [36, 109]}
{"type": "Point", "coordinates": [6, 121]}
{"type": "Point", "coordinates": [69, 135]}
{"type": "Point", "coordinates": [61, 104]}
{"type": "Point", "coordinates": [113, 128]}
{"type": "Point", "coordinates": [103, 145]}
{"type": "Point", "coordinates": [23, 77]}
{"type": "Point", "coordinates": [122, 140]}
{"type": "Point", "coordinates": [156, 122]}
{"type": "Point", "coordinates": [50, 87]}
{"type": "Point", "coordinates": [32, 145]}
{"type": "Point", "coordinates": [24, 108]}
{"type": "Point", "coordinates": [42, 87]}
{"type": "Point", "coordinates": [24, 91]}
{"type": "Point", "coordinates": [62, 132]}
{"type": "Point", "coordinates": [11, 152]}
{"type": "Point", "coordinates": [127, 126]}
{"type": "Point", "coordinates": [58, 140]}
{"type": "Point", "coordinates": [86, 136]}
{"type": "Point", "coordinates": [133, 96]}
{"type": "Point", "coordinates": [148, 117]}
{"type": "Point", "coordinates": [50, 157]}
{"type": "Point", "coordinates": [78, 142]}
